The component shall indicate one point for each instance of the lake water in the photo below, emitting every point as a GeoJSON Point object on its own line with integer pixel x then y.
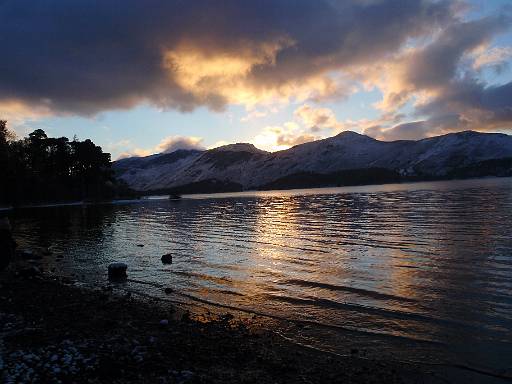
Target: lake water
{"type": "Point", "coordinates": [419, 271]}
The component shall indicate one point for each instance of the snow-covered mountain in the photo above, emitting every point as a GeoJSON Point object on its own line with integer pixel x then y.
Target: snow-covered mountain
{"type": "Point", "coordinates": [246, 167]}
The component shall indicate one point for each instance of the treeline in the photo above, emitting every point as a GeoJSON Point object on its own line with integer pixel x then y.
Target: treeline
{"type": "Point", "coordinates": [39, 168]}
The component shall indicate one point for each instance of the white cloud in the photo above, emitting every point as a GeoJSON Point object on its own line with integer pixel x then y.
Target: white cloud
{"type": "Point", "coordinates": [496, 57]}
{"type": "Point", "coordinates": [166, 145]}
{"type": "Point", "coordinates": [173, 143]}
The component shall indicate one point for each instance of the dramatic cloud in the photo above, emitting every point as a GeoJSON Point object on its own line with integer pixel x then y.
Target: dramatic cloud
{"type": "Point", "coordinates": [442, 80]}
{"type": "Point", "coordinates": [18, 113]}
{"type": "Point", "coordinates": [317, 118]}
{"type": "Point", "coordinates": [71, 57]}
{"type": "Point", "coordinates": [68, 57]}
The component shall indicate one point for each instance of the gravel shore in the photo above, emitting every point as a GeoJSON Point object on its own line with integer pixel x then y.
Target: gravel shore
{"type": "Point", "coordinates": [54, 331]}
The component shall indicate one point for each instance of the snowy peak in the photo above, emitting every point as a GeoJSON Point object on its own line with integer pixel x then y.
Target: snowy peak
{"type": "Point", "coordinates": [239, 147]}
{"type": "Point", "coordinates": [351, 135]}
{"type": "Point", "coordinates": [247, 167]}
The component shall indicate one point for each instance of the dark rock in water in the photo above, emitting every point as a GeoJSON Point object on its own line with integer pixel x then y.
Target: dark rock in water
{"type": "Point", "coordinates": [117, 271]}
{"type": "Point", "coordinates": [167, 259]}
{"type": "Point", "coordinates": [140, 245]}
{"type": "Point", "coordinates": [47, 252]}
{"type": "Point", "coordinates": [168, 290]}
{"type": "Point", "coordinates": [29, 272]}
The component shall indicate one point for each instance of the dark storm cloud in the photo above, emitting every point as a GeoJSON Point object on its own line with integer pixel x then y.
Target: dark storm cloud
{"type": "Point", "coordinates": [470, 104]}
{"type": "Point", "coordinates": [459, 100]}
{"type": "Point", "coordinates": [438, 63]}
{"type": "Point", "coordinates": [85, 57]}
{"type": "Point", "coordinates": [465, 104]}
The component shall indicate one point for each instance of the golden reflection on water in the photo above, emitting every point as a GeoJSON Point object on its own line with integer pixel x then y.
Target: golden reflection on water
{"type": "Point", "coordinates": [423, 261]}
{"type": "Point", "coordinates": [275, 224]}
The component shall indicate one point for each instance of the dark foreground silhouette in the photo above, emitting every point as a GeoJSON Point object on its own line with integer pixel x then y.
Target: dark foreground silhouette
{"type": "Point", "coordinates": [60, 332]}
{"type": "Point", "coordinates": [7, 243]}
{"type": "Point", "coordinates": [53, 330]}
{"type": "Point", "coordinates": [39, 168]}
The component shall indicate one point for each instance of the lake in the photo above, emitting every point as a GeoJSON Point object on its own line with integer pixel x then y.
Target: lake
{"type": "Point", "coordinates": [418, 271]}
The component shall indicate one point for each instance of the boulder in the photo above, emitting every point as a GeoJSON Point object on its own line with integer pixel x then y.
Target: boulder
{"type": "Point", "coordinates": [117, 271]}
{"type": "Point", "coordinates": [167, 258]}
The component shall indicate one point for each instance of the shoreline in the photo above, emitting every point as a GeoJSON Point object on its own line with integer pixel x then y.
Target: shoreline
{"type": "Point", "coordinates": [54, 330]}
{"type": "Point", "coordinates": [245, 193]}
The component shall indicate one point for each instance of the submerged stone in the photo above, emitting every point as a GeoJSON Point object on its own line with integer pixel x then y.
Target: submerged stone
{"type": "Point", "coordinates": [117, 270]}
{"type": "Point", "coordinates": [167, 258]}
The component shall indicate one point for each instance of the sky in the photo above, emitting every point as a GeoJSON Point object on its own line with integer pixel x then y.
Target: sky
{"type": "Point", "coordinates": [143, 77]}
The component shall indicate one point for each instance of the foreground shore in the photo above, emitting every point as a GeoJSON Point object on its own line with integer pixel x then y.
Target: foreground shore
{"type": "Point", "coordinates": [54, 331]}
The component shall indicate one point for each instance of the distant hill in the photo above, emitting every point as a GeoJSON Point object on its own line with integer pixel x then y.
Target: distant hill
{"type": "Point", "coordinates": [348, 158]}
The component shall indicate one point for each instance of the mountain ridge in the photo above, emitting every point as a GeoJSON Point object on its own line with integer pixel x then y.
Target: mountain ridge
{"type": "Point", "coordinates": [345, 158]}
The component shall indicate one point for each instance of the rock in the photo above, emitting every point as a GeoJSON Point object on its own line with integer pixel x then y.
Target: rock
{"type": "Point", "coordinates": [140, 245]}
{"type": "Point", "coordinates": [168, 290]}
{"type": "Point", "coordinates": [167, 258]}
{"type": "Point", "coordinates": [117, 271]}
{"type": "Point", "coordinates": [47, 252]}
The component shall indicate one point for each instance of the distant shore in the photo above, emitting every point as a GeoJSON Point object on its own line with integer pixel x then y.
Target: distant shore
{"type": "Point", "coordinates": [54, 330]}
{"type": "Point", "coordinates": [159, 195]}
{"type": "Point", "coordinates": [67, 204]}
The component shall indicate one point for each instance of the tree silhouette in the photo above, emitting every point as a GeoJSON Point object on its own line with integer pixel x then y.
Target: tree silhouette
{"type": "Point", "coordinates": [40, 168]}
{"type": "Point", "coordinates": [4, 157]}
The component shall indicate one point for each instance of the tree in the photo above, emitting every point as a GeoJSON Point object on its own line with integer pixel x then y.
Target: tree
{"type": "Point", "coordinates": [5, 134]}
{"type": "Point", "coordinates": [42, 168]}
{"type": "Point", "coordinates": [4, 158]}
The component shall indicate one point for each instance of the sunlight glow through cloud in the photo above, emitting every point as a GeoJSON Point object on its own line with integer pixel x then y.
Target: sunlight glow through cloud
{"type": "Point", "coordinates": [279, 63]}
